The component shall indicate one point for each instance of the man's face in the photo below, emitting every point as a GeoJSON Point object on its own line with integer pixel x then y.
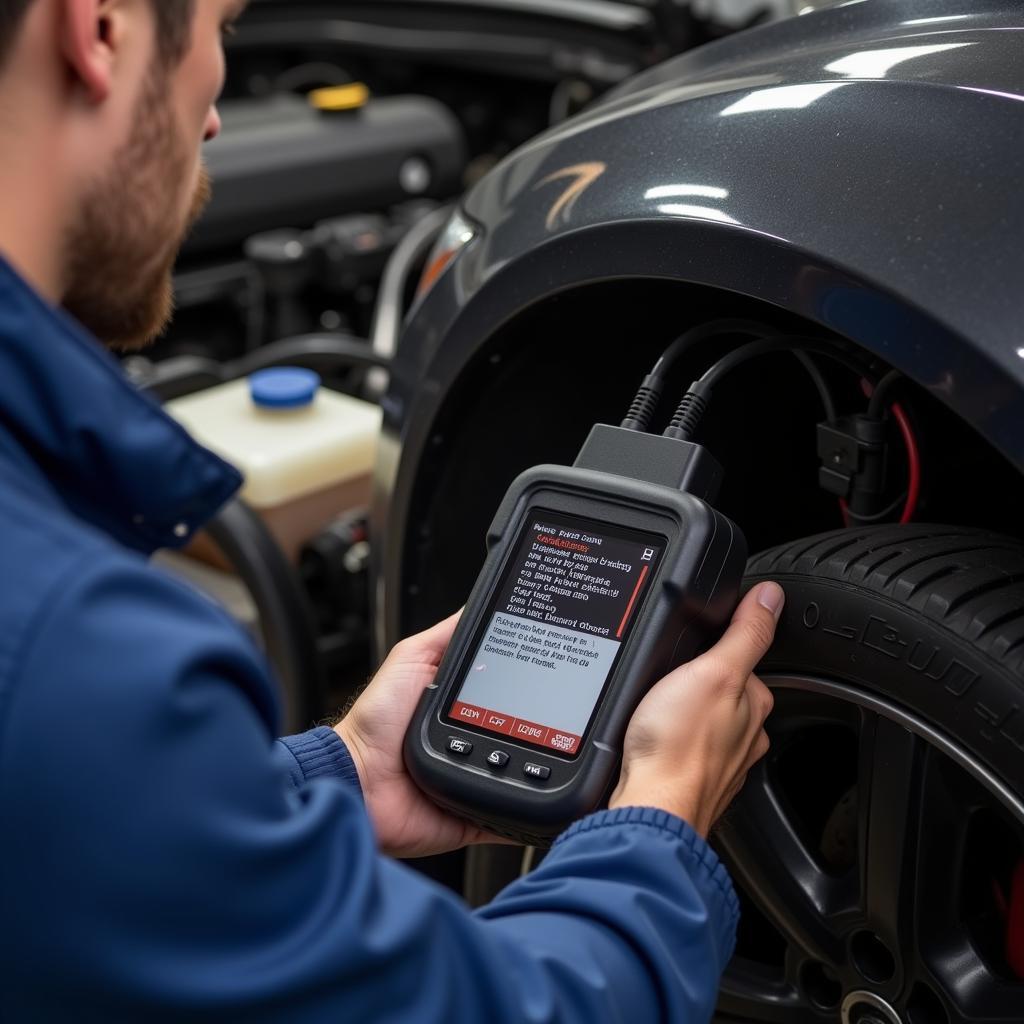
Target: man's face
{"type": "Point", "coordinates": [120, 251]}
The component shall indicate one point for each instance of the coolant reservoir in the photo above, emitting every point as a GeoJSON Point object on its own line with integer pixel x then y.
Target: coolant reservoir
{"type": "Point", "coordinates": [306, 452]}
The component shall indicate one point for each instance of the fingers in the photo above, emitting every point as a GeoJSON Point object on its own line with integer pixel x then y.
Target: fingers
{"type": "Point", "coordinates": [761, 702]}
{"type": "Point", "coordinates": [756, 743]}
{"type": "Point", "coordinates": [730, 795]}
{"type": "Point", "coordinates": [761, 699]}
{"type": "Point", "coordinates": [478, 837]}
{"type": "Point", "coordinates": [750, 633]}
{"type": "Point", "coordinates": [757, 750]}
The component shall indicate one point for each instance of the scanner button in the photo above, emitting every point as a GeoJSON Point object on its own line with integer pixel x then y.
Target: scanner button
{"type": "Point", "coordinates": [459, 746]}
{"type": "Point", "coordinates": [536, 771]}
{"type": "Point", "coordinates": [497, 759]}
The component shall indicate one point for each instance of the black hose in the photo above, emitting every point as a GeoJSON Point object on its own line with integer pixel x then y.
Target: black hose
{"type": "Point", "coordinates": [820, 384]}
{"type": "Point", "coordinates": [174, 377]}
{"type": "Point", "coordinates": [695, 335]}
{"type": "Point", "coordinates": [779, 343]}
{"type": "Point", "coordinates": [649, 394]}
{"type": "Point", "coordinates": [880, 395]}
{"type": "Point", "coordinates": [324, 353]}
{"type": "Point", "coordinates": [691, 409]}
{"type": "Point", "coordinates": [286, 621]}
{"type": "Point", "coordinates": [185, 375]}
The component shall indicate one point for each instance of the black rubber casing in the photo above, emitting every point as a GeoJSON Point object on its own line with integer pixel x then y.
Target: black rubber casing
{"type": "Point", "coordinates": [689, 601]}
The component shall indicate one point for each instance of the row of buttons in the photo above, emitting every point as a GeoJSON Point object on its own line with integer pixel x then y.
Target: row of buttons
{"type": "Point", "coordinates": [497, 758]}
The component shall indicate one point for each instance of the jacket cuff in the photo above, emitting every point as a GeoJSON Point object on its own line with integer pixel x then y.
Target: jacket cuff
{"type": "Point", "coordinates": [707, 871]}
{"type": "Point", "coordinates": [320, 753]}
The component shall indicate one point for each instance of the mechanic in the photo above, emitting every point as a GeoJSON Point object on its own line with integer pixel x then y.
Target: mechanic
{"type": "Point", "coordinates": [163, 858]}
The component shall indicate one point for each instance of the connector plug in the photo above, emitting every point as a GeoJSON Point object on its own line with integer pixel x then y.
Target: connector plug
{"type": "Point", "coordinates": [682, 465]}
{"type": "Point", "coordinates": [689, 412]}
{"type": "Point", "coordinates": [853, 455]}
{"type": "Point", "coordinates": [644, 404]}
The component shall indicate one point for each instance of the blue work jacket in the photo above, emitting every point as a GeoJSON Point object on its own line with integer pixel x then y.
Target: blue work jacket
{"type": "Point", "coordinates": [164, 858]}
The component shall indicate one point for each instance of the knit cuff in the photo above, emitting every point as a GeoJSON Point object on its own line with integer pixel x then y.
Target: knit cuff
{"type": "Point", "coordinates": [707, 869]}
{"type": "Point", "coordinates": [320, 753]}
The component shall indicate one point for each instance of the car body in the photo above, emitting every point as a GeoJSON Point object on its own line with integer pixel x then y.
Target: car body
{"type": "Point", "coordinates": [851, 176]}
{"type": "Point", "coordinates": [858, 168]}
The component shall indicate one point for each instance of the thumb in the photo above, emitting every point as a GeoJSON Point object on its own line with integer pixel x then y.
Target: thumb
{"type": "Point", "coordinates": [751, 631]}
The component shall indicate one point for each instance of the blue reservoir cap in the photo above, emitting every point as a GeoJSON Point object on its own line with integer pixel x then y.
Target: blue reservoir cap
{"type": "Point", "coordinates": [284, 387]}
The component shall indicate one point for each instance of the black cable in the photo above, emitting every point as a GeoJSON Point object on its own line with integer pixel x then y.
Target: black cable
{"type": "Point", "coordinates": [877, 516]}
{"type": "Point", "coordinates": [321, 352]}
{"type": "Point", "coordinates": [645, 402]}
{"type": "Point", "coordinates": [779, 343]}
{"type": "Point", "coordinates": [184, 375]}
{"type": "Point", "coordinates": [820, 384]}
{"type": "Point", "coordinates": [648, 395]}
{"type": "Point", "coordinates": [285, 619]}
{"type": "Point", "coordinates": [695, 335]}
{"type": "Point", "coordinates": [879, 396]}
{"type": "Point", "coordinates": [693, 406]}
{"type": "Point", "coordinates": [174, 377]}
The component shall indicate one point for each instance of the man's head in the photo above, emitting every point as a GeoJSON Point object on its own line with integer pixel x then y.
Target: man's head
{"type": "Point", "coordinates": [173, 26]}
{"type": "Point", "coordinates": [121, 95]}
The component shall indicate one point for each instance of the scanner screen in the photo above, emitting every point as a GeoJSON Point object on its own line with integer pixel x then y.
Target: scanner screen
{"type": "Point", "coordinates": [565, 606]}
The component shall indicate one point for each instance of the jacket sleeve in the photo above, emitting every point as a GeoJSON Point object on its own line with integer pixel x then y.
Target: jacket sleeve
{"type": "Point", "coordinates": [161, 864]}
{"type": "Point", "coordinates": [317, 754]}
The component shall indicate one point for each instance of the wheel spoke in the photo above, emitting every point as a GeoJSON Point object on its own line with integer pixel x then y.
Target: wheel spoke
{"type": "Point", "coordinates": [749, 995]}
{"type": "Point", "coordinates": [888, 795]}
{"type": "Point", "coordinates": [949, 955]}
{"type": "Point", "coordinates": [766, 856]}
{"type": "Point", "coordinates": [974, 994]}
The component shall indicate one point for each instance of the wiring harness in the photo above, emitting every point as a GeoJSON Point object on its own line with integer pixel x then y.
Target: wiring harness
{"type": "Point", "coordinates": [853, 448]}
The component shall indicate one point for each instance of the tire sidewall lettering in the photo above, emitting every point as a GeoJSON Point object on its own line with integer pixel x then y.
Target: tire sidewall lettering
{"type": "Point", "coordinates": [812, 615]}
{"type": "Point", "coordinates": [862, 638]}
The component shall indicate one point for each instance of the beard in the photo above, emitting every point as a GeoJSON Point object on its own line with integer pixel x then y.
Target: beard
{"type": "Point", "coordinates": [120, 252]}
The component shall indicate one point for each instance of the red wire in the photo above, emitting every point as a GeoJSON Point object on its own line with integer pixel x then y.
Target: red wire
{"type": "Point", "coordinates": [913, 463]}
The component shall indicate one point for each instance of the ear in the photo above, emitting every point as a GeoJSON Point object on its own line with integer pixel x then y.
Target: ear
{"type": "Point", "coordinates": [90, 34]}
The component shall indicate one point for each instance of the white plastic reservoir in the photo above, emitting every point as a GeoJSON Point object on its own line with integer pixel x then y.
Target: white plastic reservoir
{"type": "Point", "coordinates": [307, 453]}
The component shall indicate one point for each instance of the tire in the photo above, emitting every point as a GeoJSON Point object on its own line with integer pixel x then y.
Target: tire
{"type": "Point", "coordinates": [909, 642]}
{"type": "Point", "coordinates": [898, 672]}
{"type": "Point", "coordinates": [929, 617]}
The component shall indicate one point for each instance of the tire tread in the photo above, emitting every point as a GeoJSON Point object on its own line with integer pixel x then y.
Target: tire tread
{"type": "Point", "coordinates": [975, 589]}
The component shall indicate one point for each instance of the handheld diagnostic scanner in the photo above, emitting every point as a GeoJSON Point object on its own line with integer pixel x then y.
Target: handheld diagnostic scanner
{"type": "Point", "coordinates": [600, 577]}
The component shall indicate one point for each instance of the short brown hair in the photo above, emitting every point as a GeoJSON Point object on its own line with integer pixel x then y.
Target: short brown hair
{"type": "Point", "coordinates": [173, 26]}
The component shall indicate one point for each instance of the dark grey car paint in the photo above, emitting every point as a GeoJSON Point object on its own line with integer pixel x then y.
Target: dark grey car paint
{"type": "Point", "coordinates": [804, 164]}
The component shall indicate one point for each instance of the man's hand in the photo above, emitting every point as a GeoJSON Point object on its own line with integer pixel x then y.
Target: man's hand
{"type": "Point", "coordinates": [698, 732]}
{"type": "Point", "coordinates": [688, 748]}
{"type": "Point", "coordinates": [406, 822]}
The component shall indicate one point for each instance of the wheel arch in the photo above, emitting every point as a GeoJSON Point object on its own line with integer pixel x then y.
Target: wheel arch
{"type": "Point", "coordinates": [719, 270]}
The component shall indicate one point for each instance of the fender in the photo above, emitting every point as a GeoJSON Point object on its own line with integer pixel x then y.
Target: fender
{"type": "Point", "coordinates": [859, 166]}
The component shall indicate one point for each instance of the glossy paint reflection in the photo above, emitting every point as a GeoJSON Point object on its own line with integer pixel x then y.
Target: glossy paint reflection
{"type": "Point", "coordinates": [697, 210]}
{"type": "Point", "coordinates": [878, 63]}
{"type": "Point", "coordinates": [784, 97]}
